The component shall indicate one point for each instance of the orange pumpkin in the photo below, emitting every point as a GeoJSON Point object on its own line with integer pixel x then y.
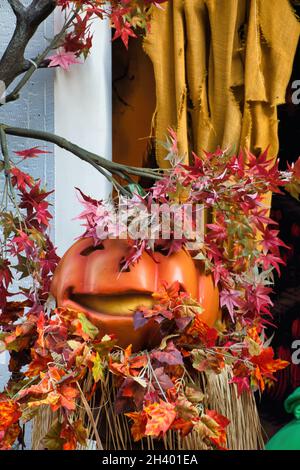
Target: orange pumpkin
{"type": "Point", "coordinates": [89, 279]}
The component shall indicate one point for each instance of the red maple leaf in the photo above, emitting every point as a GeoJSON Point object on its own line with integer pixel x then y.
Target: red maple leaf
{"type": "Point", "coordinates": [185, 427]}
{"type": "Point", "coordinates": [69, 436]}
{"type": "Point", "coordinates": [230, 299]}
{"type": "Point", "coordinates": [258, 298]}
{"type": "Point", "coordinates": [242, 383]}
{"type": "Point", "coordinates": [271, 241]}
{"type": "Point", "coordinates": [21, 179]}
{"type": "Point", "coordinates": [30, 153]}
{"type": "Point", "coordinates": [63, 60]}
{"type": "Point", "coordinates": [138, 427]}
{"type": "Point", "coordinates": [124, 31]}
{"type": "Point", "coordinates": [270, 261]}
{"type": "Point", "coordinates": [36, 206]}
{"type": "Point", "coordinates": [21, 242]}
{"type": "Point", "coordinates": [5, 273]}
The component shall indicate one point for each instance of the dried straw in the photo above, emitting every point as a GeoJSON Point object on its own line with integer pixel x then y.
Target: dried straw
{"type": "Point", "coordinates": [107, 430]}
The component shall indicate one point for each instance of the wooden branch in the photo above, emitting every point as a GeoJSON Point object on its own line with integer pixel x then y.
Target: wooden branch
{"type": "Point", "coordinates": [17, 7]}
{"type": "Point", "coordinates": [27, 21]}
{"type": "Point", "coordinates": [29, 63]}
{"type": "Point", "coordinates": [91, 158]}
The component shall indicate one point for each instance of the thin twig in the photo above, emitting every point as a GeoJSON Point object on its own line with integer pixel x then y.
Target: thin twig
{"type": "Point", "coordinates": [90, 415]}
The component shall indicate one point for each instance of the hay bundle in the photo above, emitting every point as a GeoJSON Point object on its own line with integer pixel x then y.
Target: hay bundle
{"type": "Point", "coordinates": [109, 431]}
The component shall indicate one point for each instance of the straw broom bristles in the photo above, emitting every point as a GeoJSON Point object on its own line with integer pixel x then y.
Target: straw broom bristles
{"type": "Point", "coordinates": [107, 430]}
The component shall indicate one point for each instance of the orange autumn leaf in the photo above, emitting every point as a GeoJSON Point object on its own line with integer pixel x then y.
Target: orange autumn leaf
{"type": "Point", "coordinates": [9, 436]}
{"type": "Point", "coordinates": [138, 427]}
{"type": "Point", "coordinates": [69, 437]}
{"type": "Point", "coordinates": [138, 362]}
{"type": "Point", "coordinates": [266, 365]}
{"type": "Point", "coordinates": [185, 427]}
{"type": "Point", "coordinates": [129, 365]}
{"type": "Point", "coordinates": [160, 417]}
{"type": "Point", "coordinates": [167, 293]}
{"type": "Point", "coordinates": [266, 362]}
{"type": "Point", "coordinates": [257, 379]}
{"type": "Point", "coordinates": [206, 334]}
{"type": "Point", "coordinates": [118, 368]}
{"type": "Point", "coordinates": [73, 434]}
{"type": "Point", "coordinates": [51, 399]}
{"type": "Point", "coordinates": [66, 397]}
{"type": "Point", "coordinates": [38, 364]}
{"type": "Point", "coordinates": [253, 334]}
{"type": "Point", "coordinates": [154, 420]}
{"type": "Point", "coordinates": [216, 425]}
{"type": "Point", "coordinates": [36, 390]}
{"type": "Point", "coordinates": [9, 412]}
{"type": "Point", "coordinates": [121, 368]}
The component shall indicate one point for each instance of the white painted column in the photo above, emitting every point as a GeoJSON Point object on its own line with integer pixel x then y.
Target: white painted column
{"type": "Point", "coordinates": [82, 104]}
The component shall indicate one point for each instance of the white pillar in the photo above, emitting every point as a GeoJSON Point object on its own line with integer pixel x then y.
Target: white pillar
{"type": "Point", "coordinates": [82, 103]}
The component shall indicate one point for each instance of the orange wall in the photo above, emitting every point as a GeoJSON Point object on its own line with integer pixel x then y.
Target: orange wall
{"type": "Point", "coordinates": [133, 102]}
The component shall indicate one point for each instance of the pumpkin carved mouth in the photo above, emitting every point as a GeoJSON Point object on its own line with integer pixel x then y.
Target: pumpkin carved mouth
{"type": "Point", "coordinates": [119, 305]}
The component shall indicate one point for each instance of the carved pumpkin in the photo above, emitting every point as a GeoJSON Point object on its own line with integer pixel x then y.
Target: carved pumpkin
{"type": "Point", "coordinates": [88, 279]}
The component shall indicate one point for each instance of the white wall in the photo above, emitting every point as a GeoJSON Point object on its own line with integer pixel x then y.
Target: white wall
{"type": "Point", "coordinates": [82, 103]}
{"type": "Point", "coordinates": [34, 109]}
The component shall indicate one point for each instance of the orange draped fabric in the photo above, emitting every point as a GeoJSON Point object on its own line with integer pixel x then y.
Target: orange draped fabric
{"type": "Point", "coordinates": [221, 69]}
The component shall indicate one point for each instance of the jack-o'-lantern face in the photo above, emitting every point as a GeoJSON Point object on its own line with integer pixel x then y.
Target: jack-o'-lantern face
{"type": "Point", "coordinates": [90, 279]}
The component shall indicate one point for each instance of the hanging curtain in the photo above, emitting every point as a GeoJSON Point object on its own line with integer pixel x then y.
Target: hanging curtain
{"type": "Point", "coordinates": [221, 69]}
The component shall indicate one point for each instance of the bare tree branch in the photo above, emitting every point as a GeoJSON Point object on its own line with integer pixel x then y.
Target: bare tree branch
{"type": "Point", "coordinates": [17, 7]}
{"type": "Point", "coordinates": [93, 159]}
{"type": "Point", "coordinates": [40, 59]}
{"type": "Point", "coordinates": [28, 64]}
{"type": "Point", "coordinates": [28, 20]}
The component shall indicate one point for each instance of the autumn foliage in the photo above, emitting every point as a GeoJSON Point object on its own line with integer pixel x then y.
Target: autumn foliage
{"type": "Point", "coordinates": [52, 349]}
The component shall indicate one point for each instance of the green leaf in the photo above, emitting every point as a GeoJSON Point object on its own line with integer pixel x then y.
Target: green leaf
{"type": "Point", "coordinates": [88, 327]}
{"type": "Point", "coordinates": [136, 189]}
{"type": "Point", "coordinates": [2, 346]}
{"type": "Point", "coordinates": [104, 346]}
{"type": "Point", "coordinates": [198, 359]}
{"type": "Point", "coordinates": [294, 189]}
{"type": "Point", "coordinates": [98, 368]}
{"type": "Point", "coordinates": [52, 440]}
{"type": "Point", "coordinates": [23, 267]}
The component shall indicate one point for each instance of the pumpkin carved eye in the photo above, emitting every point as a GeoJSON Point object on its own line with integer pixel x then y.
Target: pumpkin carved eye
{"type": "Point", "coordinates": [90, 249]}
